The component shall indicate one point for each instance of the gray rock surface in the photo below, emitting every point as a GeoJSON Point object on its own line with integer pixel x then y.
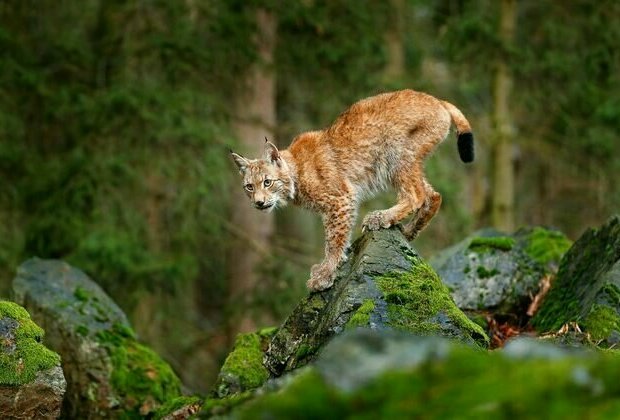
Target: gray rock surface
{"type": "Point", "coordinates": [39, 399]}
{"type": "Point", "coordinates": [499, 273]}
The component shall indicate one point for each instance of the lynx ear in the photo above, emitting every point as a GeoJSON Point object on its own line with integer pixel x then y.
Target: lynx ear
{"type": "Point", "coordinates": [271, 153]}
{"type": "Point", "coordinates": [242, 163]}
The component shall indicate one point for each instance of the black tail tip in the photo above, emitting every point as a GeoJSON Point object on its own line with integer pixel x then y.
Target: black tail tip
{"type": "Point", "coordinates": [465, 142]}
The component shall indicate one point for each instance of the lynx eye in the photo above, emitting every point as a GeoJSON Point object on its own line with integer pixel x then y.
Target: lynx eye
{"type": "Point", "coordinates": [267, 182]}
{"type": "Point", "coordinates": [249, 187]}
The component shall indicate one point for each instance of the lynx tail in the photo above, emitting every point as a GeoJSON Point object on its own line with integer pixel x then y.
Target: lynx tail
{"type": "Point", "coordinates": [465, 138]}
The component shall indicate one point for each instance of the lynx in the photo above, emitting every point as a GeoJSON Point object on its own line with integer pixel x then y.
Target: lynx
{"type": "Point", "coordinates": [378, 142]}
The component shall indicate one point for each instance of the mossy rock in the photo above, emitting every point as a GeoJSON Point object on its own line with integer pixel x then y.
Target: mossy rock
{"type": "Point", "coordinates": [498, 273]}
{"type": "Point", "coordinates": [587, 287]}
{"type": "Point", "coordinates": [109, 373]}
{"type": "Point", "coordinates": [179, 408]}
{"type": "Point", "coordinates": [32, 384]}
{"type": "Point", "coordinates": [378, 374]}
{"type": "Point", "coordinates": [243, 368]}
{"type": "Point", "coordinates": [383, 285]}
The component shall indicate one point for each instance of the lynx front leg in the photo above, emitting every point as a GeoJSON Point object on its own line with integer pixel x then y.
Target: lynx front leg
{"type": "Point", "coordinates": [338, 224]}
{"type": "Point", "coordinates": [411, 196]}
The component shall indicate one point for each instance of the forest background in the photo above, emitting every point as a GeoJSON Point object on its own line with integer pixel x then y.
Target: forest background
{"type": "Point", "coordinates": [116, 118]}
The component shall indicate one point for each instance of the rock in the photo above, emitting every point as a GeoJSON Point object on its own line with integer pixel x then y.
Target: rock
{"type": "Point", "coordinates": [109, 374]}
{"type": "Point", "coordinates": [31, 381]}
{"type": "Point", "coordinates": [587, 287]}
{"type": "Point", "coordinates": [489, 271]}
{"type": "Point", "coordinates": [384, 285]}
{"type": "Point", "coordinates": [383, 374]}
{"type": "Point", "coordinates": [243, 368]}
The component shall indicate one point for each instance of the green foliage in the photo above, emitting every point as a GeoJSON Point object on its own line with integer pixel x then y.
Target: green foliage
{"type": "Point", "coordinates": [123, 152]}
{"type": "Point", "coordinates": [22, 356]}
{"type": "Point", "coordinates": [324, 46]}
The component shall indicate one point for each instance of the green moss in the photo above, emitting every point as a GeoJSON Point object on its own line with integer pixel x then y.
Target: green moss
{"type": "Point", "coordinates": [307, 395]}
{"type": "Point", "coordinates": [414, 298]}
{"type": "Point", "coordinates": [612, 293]}
{"type": "Point", "coordinates": [245, 362]}
{"type": "Point", "coordinates": [138, 373]}
{"type": "Point", "coordinates": [545, 246]}
{"type": "Point", "coordinates": [581, 282]}
{"type": "Point", "coordinates": [601, 321]}
{"type": "Point", "coordinates": [361, 317]}
{"type": "Point", "coordinates": [479, 319]}
{"type": "Point", "coordinates": [463, 384]}
{"type": "Point", "coordinates": [81, 294]}
{"type": "Point", "coordinates": [20, 366]}
{"type": "Point", "coordinates": [303, 351]}
{"type": "Point", "coordinates": [176, 404]}
{"type": "Point", "coordinates": [82, 330]}
{"type": "Point", "coordinates": [485, 273]}
{"type": "Point", "coordinates": [218, 406]}
{"type": "Point", "coordinates": [485, 244]}
{"type": "Point", "coordinates": [267, 332]}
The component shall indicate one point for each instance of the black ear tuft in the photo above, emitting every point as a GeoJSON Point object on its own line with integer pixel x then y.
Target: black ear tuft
{"type": "Point", "coordinates": [465, 142]}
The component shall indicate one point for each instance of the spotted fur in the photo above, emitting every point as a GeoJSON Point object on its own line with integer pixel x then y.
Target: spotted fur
{"type": "Point", "coordinates": [378, 142]}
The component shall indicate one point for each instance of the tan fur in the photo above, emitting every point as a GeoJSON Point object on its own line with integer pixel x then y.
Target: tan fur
{"type": "Point", "coordinates": [377, 143]}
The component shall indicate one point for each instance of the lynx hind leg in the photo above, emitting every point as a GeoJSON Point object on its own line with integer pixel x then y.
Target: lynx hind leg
{"type": "Point", "coordinates": [411, 196]}
{"type": "Point", "coordinates": [425, 214]}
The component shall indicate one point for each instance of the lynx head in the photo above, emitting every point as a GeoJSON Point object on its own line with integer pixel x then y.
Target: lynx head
{"type": "Point", "coordinates": [268, 181]}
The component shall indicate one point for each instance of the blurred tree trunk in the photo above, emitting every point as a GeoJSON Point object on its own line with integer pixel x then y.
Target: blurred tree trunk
{"type": "Point", "coordinates": [395, 68]}
{"type": "Point", "coordinates": [254, 119]}
{"type": "Point", "coordinates": [503, 190]}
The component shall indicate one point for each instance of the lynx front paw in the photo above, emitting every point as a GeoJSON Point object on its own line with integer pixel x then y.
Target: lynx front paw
{"type": "Point", "coordinates": [375, 221]}
{"type": "Point", "coordinates": [321, 278]}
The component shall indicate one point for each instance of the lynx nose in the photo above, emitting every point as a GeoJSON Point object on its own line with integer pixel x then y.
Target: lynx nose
{"type": "Point", "coordinates": [260, 203]}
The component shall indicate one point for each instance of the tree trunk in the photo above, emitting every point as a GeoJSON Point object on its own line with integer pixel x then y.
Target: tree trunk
{"type": "Point", "coordinates": [395, 67]}
{"type": "Point", "coordinates": [503, 192]}
{"type": "Point", "coordinates": [255, 118]}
